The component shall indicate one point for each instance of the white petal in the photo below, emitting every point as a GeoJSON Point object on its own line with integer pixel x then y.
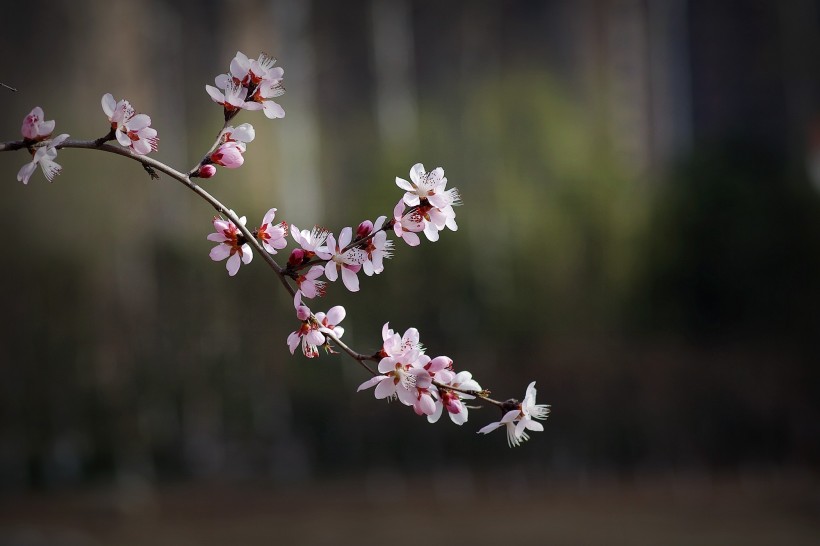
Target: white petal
{"type": "Point", "coordinates": [233, 264]}
{"type": "Point", "coordinates": [350, 279]}
{"type": "Point", "coordinates": [108, 104]}
{"type": "Point", "coordinates": [370, 382]}
{"type": "Point", "coordinates": [385, 388]}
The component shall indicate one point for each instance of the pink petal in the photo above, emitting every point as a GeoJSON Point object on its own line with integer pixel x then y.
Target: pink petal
{"type": "Point", "coordinates": [108, 104]}
{"type": "Point", "coordinates": [385, 388]}
{"type": "Point", "coordinates": [370, 382]}
{"type": "Point", "coordinates": [350, 279]}
{"type": "Point", "coordinates": [220, 252]}
{"type": "Point", "coordinates": [273, 110]}
{"type": "Point", "coordinates": [233, 264]}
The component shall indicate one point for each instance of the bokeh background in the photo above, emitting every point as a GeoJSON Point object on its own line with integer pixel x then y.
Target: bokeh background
{"type": "Point", "coordinates": [640, 235]}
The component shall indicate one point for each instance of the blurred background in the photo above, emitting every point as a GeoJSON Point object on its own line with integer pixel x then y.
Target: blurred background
{"type": "Point", "coordinates": [640, 235]}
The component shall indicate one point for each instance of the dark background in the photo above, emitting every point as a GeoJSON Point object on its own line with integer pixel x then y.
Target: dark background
{"type": "Point", "coordinates": [640, 235]}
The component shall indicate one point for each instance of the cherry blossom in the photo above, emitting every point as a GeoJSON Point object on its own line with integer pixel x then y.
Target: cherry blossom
{"type": "Point", "coordinates": [273, 236]}
{"type": "Point", "coordinates": [249, 73]}
{"type": "Point", "coordinates": [348, 261]}
{"type": "Point", "coordinates": [311, 241]}
{"type": "Point", "coordinates": [44, 157]}
{"type": "Point", "coordinates": [521, 418]}
{"type": "Point", "coordinates": [229, 155]}
{"type": "Point", "coordinates": [259, 79]}
{"type": "Point", "coordinates": [131, 129]}
{"type": "Point", "coordinates": [35, 127]}
{"type": "Point", "coordinates": [309, 334]}
{"type": "Point", "coordinates": [395, 345]}
{"type": "Point", "coordinates": [329, 323]}
{"type": "Point", "coordinates": [266, 91]}
{"type": "Point", "coordinates": [309, 284]}
{"type": "Point", "coordinates": [401, 377]}
{"type": "Point", "coordinates": [244, 133]}
{"type": "Point", "coordinates": [233, 99]}
{"type": "Point", "coordinates": [451, 400]}
{"type": "Point", "coordinates": [406, 227]}
{"type": "Point", "coordinates": [232, 245]}
{"type": "Point", "coordinates": [376, 248]}
{"type": "Point", "coordinates": [427, 186]}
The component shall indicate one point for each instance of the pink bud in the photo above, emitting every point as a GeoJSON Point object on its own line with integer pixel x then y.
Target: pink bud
{"type": "Point", "coordinates": [34, 127]}
{"type": "Point", "coordinates": [296, 257]}
{"type": "Point", "coordinates": [206, 171]}
{"type": "Point", "coordinates": [302, 312]}
{"type": "Point", "coordinates": [228, 155]}
{"type": "Point", "coordinates": [364, 229]}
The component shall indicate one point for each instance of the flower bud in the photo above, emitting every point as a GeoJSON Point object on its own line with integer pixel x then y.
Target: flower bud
{"type": "Point", "coordinates": [228, 155]}
{"type": "Point", "coordinates": [206, 171]}
{"type": "Point", "coordinates": [296, 257]}
{"type": "Point", "coordinates": [364, 229]}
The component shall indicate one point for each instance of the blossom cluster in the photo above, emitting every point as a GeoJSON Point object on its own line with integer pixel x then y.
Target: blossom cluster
{"type": "Point", "coordinates": [36, 130]}
{"type": "Point", "coordinates": [430, 385]}
{"type": "Point", "coordinates": [249, 85]}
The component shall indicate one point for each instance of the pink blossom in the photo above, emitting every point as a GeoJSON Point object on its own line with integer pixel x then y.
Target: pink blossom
{"type": "Point", "coordinates": [395, 345]}
{"type": "Point", "coordinates": [520, 419]}
{"type": "Point", "coordinates": [44, 156]}
{"type": "Point", "coordinates": [401, 377]}
{"type": "Point", "coordinates": [232, 245]}
{"type": "Point", "coordinates": [312, 242]}
{"type": "Point", "coordinates": [244, 133]}
{"type": "Point", "coordinates": [407, 226]}
{"type": "Point", "coordinates": [348, 261]}
{"type": "Point", "coordinates": [233, 99]}
{"type": "Point", "coordinates": [35, 127]}
{"type": "Point", "coordinates": [131, 130]}
{"type": "Point", "coordinates": [451, 400]}
{"type": "Point", "coordinates": [427, 186]}
{"type": "Point", "coordinates": [273, 236]}
{"type": "Point", "coordinates": [309, 334]}
{"type": "Point", "coordinates": [329, 323]}
{"type": "Point", "coordinates": [309, 284]}
{"type": "Point", "coordinates": [376, 249]}
{"type": "Point", "coordinates": [229, 155]}
{"type": "Point", "coordinates": [261, 80]}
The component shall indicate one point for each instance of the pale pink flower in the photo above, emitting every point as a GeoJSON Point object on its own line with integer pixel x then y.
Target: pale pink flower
{"type": "Point", "coordinates": [508, 421]}
{"type": "Point", "coordinates": [35, 127]}
{"type": "Point", "coordinates": [44, 156]}
{"type": "Point", "coordinates": [330, 322]}
{"type": "Point", "coordinates": [233, 99]}
{"type": "Point", "coordinates": [266, 91]}
{"type": "Point", "coordinates": [273, 236]}
{"type": "Point", "coordinates": [249, 72]}
{"type": "Point", "coordinates": [349, 261]}
{"type": "Point", "coordinates": [308, 334]}
{"type": "Point", "coordinates": [436, 220]}
{"type": "Point", "coordinates": [522, 418]}
{"type": "Point", "coordinates": [232, 245]}
{"type": "Point", "coordinates": [377, 248]}
{"type": "Point", "coordinates": [427, 186]}
{"type": "Point", "coordinates": [229, 155]}
{"type": "Point", "coordinates": [451, 400]}
{"type": "Point", "coordinates": [260, 79]}
{"type": "Point", "coordinates": [311, 241]}
{"type": "Point", "coordinates": [244, 133]}
{"type": "Point", "coordinates": [407, 226]}
{"type": "Point", "coordinates": [395, 345]}
{"type": "Point", "coordinates": [400, 378]}
{"type": "Point", "coordinates": [309, 284]}
{"type": "Point", "coordinates": [132, 130]}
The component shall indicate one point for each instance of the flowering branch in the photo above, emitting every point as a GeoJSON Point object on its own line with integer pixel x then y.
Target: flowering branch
{"type": "Point", "coordinates": [403, 371]}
